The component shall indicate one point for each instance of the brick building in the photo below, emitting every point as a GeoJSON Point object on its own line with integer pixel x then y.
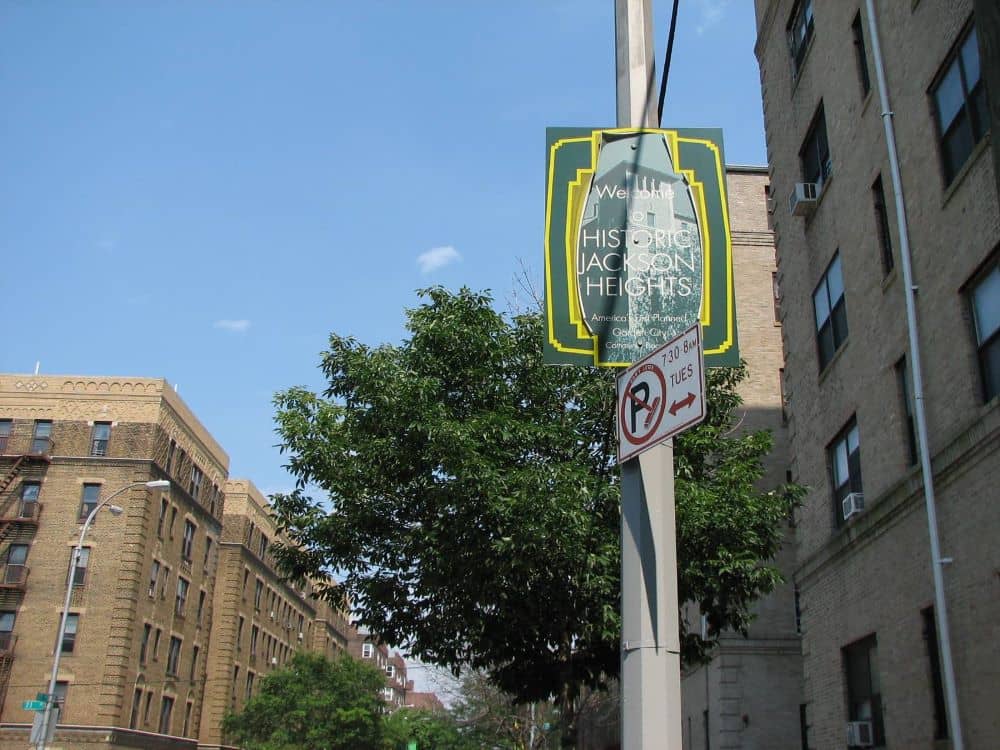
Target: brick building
{"type": "Point", "coordinates": [176, 610]}
{"type": "Point", "coordinates": [871, 647]}
{"type": "Point", "coordinates": [261, 621]}
{"type": "Point", "coordinates": [140, 612]}
{"type": "Point", "coordinates": [748, 695]}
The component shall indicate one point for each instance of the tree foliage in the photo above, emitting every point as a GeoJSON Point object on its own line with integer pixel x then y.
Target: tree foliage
{"type": "Point", "coordinates": [471, 505]}
{"type": "Point", "coordinates": [312, 703]}
{"type": "Point", "coordinates": [431, 730]}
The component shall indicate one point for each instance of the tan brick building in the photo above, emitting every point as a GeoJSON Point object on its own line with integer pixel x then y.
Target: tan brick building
{"type": "Point", "coordinates": [141, 609]}
{"type": "Point", "coordinates": [260, 620]}
{"type": "Point", "coordinates": [863, 567]}
{"type": "Point", "coordinates": [748, 695]}
{"type": "Point", "coordinates": [176, 610]}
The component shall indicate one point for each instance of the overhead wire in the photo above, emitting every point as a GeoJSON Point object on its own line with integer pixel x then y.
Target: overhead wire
{"type": "Point", "coordinates": [666, 63]}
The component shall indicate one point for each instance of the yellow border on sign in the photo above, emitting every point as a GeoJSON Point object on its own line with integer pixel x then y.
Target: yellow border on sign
{"type": "Point", "coordinates": [574, 207]}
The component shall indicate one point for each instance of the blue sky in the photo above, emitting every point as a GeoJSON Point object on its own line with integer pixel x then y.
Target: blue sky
{"type": "Point", "coordinates": [204, 191]}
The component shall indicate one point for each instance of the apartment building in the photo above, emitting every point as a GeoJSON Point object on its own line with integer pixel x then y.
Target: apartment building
{"type": "Point", "coordinates": [261, 620]}
{"type": "Point", "coordinates": [176, 610]}
{"type": "Point", "coordinates": [747, 696]}
{"type": "Point", "coordinates": [872, 646]}
{"type": "Point", "coordinates": [132, 657]}
{"type": "Point", "coordinates": [365, 646]}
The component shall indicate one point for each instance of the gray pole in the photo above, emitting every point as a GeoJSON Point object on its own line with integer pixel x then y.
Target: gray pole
{"type": "Point", "coordinates": [940, 603]}
{"type": "Point", "coordinates": [650, 673]}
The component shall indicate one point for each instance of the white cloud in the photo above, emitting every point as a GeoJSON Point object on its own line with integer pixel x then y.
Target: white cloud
{"type": "Point", "coordinates": [233, 326]}
{"type": "Point", "coordinates": [711, 13]}
{"type": "Point", "coordinates": [437, 257]}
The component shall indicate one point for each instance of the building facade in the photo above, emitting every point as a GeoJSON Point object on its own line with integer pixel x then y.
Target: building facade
{"type": "Point", "coordinates": [261, 620]}
{"type": "Point", "coordinates": [176, 609]}
{"type": "Point", "coordinates": [872, 662]}
{"type": "Point", "coordinates": [140, 609]}
{"type": "Point", "coordinates": [747, 696]}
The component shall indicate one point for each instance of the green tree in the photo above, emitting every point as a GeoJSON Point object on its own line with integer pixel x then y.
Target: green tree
{"type": "Point", "coordinates": [472, 500]}
{"type": "Point", "coordinates": [431, 730]}
{"type": "Point", "coordinates": [312, 703]}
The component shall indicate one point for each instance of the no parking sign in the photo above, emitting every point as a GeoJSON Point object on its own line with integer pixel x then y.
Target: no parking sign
{"type": "Point", "coordinates": [661, 395]}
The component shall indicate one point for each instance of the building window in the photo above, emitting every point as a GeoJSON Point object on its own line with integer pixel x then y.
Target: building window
{"type": "Point", "coordinates": [959, 96]}
{"type": "Point", "coordinates": [17, 559]}
{"type": "Point", "coordinates": [246, 579]}
{"type": "Point", "coordinates": [173, 521]}
{"type": "Point", "coordinates": [79, 571]}
{"type": "Point", "coordinates": [5, 428]}
{"type": "Point", "coordinates": [145, 710]}
{"type": "Point", "coordinates": [882, 225]}
{"type": "Point", "coordinates": [831, 312]}
{"type": "Point", "coordinates": [41, 440]}
{"type": "Point", "coordinates": [909, 433]}
{"type": "Point", "coordinates": [239, 633]}
{"type": "Point", "coordinates": [814, 155]}
{"type": "Point", "coordinates": [257, 594]}
{"type": "Point", "coordinates": [173, 655]}
{"type": "Point", "coordinates": [195, 486]}
{"type": "Point", "coordinates": [170, 455]}
{"type": "Point", "coordinates": [254, 634]}
{"type": "Point", "coordinates": [985, 299]}
{"type": "Point", "coordinates": [194, 663]}
{"type": "Point", "coordinates": [99, 438]}
{"type": "Point", "coordinates": [864, 699]}
{"type": "Point", "coordinates": [367, 651]}
{"type": "Point", "coordinates": [181, 600]}
{"type": "Point", "coordinates": [61, 695]}
{"type": "Point", "coordinates": [844, 454]}
{"type": "Point", "coordinates": [201, 606]}
{"type": "Point", "coordinates": [156, 643]}
{"type": "Point", "coordinates": [144, 643]}
{"type": "Point", "coordinates": [162, 517]}
{"type": "Point", "coordinates": [187, 718]}
{"type": "Point", "coordinates": [187, 541]}
{"type": "Point", "coordinates": [166, 708]}
{"type": "Point", "coordinates": [7, 618]}
{"type": "Point", "coordinates": [133, 718]}
{"type": "Point", "coordinates": [91, 497]}
{"type": "Point", "coordinates": [208, 552]}
{"type": "Point", "coordinates": [154, 576]}
{"type": "Point", "coordinates": [69, 635]}
{"type": "Point", "coordinates": [250, 677]}
{"type": "Point", "coordinates": [29, 499]}
{"type": "Point", "coordinates": [859, 55]}
{"type": "Point", "coordinates": [262, 546]}
{"type": "Point", "coordinates": [776, 292]}
{"type": "Point", "coordinates": [800, 32]}
{"type": "Point", "coordinates": [934, 664]}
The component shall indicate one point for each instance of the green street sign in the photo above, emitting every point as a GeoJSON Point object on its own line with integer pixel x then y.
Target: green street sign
{"type": "Point", "coordinates": [637, 244]}
{"type": "Point", "coordinates": [411, 745]}
{"type": "Point", "coordinates": [33, 705]}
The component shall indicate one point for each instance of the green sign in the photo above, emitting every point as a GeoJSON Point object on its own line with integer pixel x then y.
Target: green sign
{"type": "Point", "coordinates": [33, 705]}
{"type": "Point", "coordinates": [411, 745]}
{"type": "Point", "coordinates": [637, 244]}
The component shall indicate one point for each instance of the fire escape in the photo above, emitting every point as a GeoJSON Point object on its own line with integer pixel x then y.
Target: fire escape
{"type": "Point", "coordinates": [19, 512]}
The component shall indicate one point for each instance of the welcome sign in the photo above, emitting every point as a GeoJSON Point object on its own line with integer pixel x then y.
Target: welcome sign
{"type": "Point", "coordinates": [637, 244]}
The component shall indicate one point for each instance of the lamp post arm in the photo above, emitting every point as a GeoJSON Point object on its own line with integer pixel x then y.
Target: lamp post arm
{"type": "Point", "coordinates": [50, 698]}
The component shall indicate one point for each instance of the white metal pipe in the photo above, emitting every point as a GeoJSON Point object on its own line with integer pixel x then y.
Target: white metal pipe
{"type": "Point", "coordinates": [909, 294]}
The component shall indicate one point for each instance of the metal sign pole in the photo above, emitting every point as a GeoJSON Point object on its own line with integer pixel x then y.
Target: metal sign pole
{"type": "Point", "coordinates": [650, 673]}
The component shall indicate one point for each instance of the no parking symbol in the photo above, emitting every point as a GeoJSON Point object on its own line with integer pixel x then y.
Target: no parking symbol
{"type": "Point", "coordinates": [661, 395]}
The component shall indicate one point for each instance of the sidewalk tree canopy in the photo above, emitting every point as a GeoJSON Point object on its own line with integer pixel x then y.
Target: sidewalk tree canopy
{"type": "Point", "coordinates": [470, 499]}
{"type": "Point", "coordinates": [312, 702]}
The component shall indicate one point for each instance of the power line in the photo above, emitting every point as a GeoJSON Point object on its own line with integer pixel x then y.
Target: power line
{"type": "Point", "coordinates": [666, 63]}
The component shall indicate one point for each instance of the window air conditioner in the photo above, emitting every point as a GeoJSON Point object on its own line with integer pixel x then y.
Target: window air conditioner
{"type": "Point", "coordinates": [301, 637]}
{"type": "Point", "coordinates": [802, 201]}
{"type": "Point", "coordinates": [272, 615]}
{"type": "Point", "coordinates": [274, 661]}
{"type": "Point", "coordinates": [853, 504]}
{"type": "Point", "coordinates": [860, 734]}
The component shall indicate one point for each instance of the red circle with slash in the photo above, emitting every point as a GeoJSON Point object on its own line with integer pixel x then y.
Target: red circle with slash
{"type": "Point", "coordinates": [647, 412]}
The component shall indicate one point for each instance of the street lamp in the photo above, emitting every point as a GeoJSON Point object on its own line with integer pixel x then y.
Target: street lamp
{"type": "Point", "coordinates": [157, 484]}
